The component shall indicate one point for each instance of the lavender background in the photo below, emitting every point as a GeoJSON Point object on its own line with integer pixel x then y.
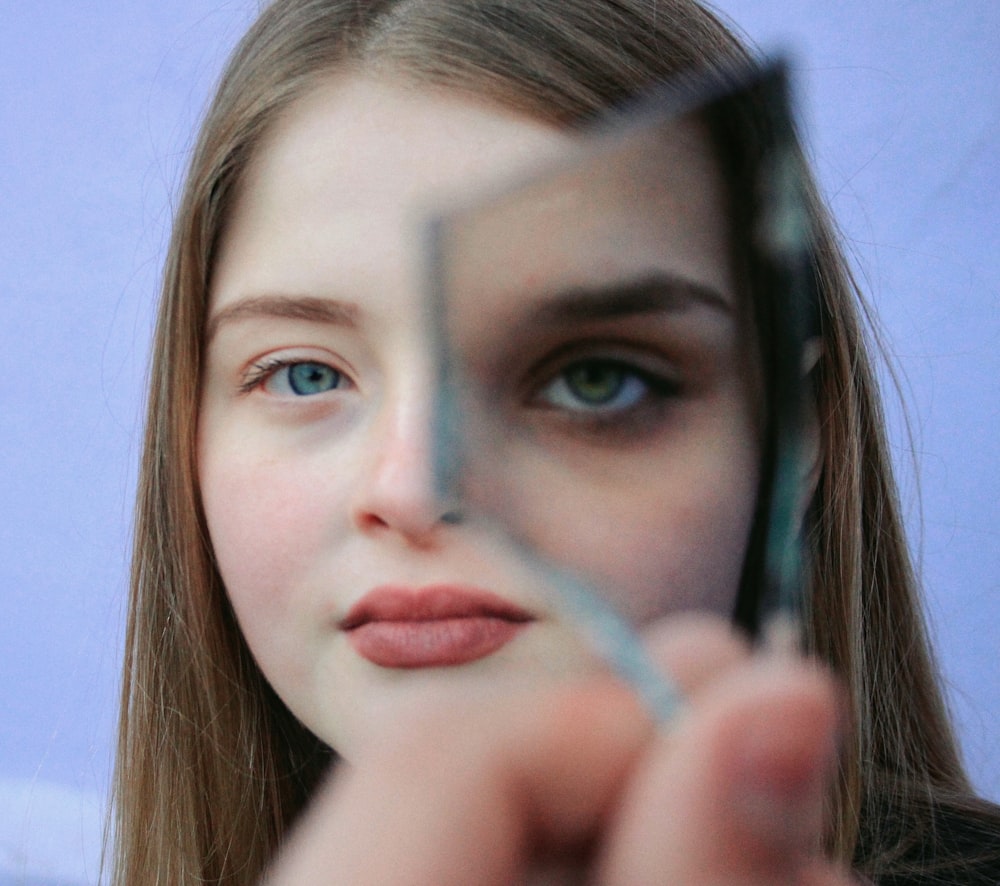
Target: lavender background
{"type": "Point", "coordinates": [98, 103]}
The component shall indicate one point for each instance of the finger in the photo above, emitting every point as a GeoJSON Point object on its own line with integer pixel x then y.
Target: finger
{"type": "Point", "coordinates": [471, 798]}
{"type": "Point", "coordinates": [735, 793]}
{"type": "Point", "coordinates": [694, 649]}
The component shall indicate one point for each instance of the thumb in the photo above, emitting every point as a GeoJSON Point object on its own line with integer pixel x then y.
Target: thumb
{"type": "Point", "coordinates": [735, 792]}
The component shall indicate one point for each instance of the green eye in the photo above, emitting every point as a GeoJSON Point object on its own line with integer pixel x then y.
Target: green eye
{"type": "Point", "coordinates": [595, 382]}
{"type": "Point", "coordinates": [597, 385]}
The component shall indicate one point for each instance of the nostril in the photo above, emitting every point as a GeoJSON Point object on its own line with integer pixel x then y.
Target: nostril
{"type": "Point", "coordinates": [396, 491]}
{"type": "Point", "coordinates": [368, 521]}
{"type": "Point", "coordinates": [418, 521]}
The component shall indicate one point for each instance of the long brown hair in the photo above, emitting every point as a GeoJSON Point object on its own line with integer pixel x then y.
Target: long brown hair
{"type": "Point", "coordinates": [211, 766]}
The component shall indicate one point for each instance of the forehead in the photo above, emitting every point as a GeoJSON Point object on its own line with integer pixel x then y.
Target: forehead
{"type": "Point", "coordinates": [338, 185]}
{"type": "Point", "coordinates": [360, 146]}
{"type": "Point", "coordinates": [347, 167]}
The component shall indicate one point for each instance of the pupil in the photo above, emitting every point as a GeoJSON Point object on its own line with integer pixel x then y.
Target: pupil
{"type": "Point", "coordinates": [596, 382]}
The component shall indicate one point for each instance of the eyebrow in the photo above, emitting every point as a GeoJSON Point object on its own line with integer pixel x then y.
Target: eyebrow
{"type": "Point", "coordinates": [648, 294]}
{"type": "Point", "coordinates": [287, 307]}
{"type": "Point", "coordinates": [654, 293]}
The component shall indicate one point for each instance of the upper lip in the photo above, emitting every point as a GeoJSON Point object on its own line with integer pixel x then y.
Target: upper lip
{"type": "Point", "coordinates": [430, 603]}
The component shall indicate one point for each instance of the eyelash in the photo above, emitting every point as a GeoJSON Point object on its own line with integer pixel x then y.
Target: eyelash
{"type": "Point", "coordinates": [260, 373]}
{"type": "Point", "coordinates": [657, 390]}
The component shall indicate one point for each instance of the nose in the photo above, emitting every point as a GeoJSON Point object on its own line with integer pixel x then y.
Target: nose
{"type": "Point", "coordinates": [398, 493]}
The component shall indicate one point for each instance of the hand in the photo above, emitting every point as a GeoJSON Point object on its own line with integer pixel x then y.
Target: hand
{"type": "Point", "coordinates": [575, 784]}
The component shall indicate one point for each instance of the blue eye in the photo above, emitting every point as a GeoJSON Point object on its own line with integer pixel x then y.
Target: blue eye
{"type": "Point", "coordinates": [598, 385]}
{"type": "Point", "coordinates": [312, 378]}
{"type": "Point", "coordinates": [294, 378]}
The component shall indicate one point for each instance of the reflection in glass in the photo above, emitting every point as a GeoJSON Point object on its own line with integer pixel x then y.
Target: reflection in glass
{"type": "Point", "coordinates": [590, 325]}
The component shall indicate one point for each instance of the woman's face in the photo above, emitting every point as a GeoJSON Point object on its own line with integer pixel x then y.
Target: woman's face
{"type": "Point", "coordinates": [621, 435]}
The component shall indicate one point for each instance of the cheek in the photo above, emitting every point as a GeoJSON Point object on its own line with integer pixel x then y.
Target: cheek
{"type": "Point", "coordinates": [670, 535]}
{"type": "Point", "coordinates": [269, 523]}
{"type": "Point", "coordinates": [687, 553]}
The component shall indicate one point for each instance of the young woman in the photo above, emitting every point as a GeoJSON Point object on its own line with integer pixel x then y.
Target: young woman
{"type": "Point", "coordinates": [288, 521]}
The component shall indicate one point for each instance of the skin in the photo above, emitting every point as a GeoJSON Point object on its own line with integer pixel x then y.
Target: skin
{"type": "Point", "coordinates": [572, 784]}
{"type": "Point", "coordinates": [313, 500]}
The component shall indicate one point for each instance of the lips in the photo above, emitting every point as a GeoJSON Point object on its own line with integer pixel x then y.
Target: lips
{"type": "Point", "coordinates": [434, 626]}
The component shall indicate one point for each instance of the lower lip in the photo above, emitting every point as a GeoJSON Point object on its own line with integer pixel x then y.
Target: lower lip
{"type": "Point", "coordinates": [442, 642]}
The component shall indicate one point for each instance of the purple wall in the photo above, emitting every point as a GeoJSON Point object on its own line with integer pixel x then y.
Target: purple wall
{"type": "Point", "coordinates": [902, 103]}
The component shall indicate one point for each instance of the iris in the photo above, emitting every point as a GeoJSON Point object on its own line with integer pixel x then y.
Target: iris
{"type": "Point", "coordinates": [596, 384]}
{"type": "Point", "coordinates": [312, 378]}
